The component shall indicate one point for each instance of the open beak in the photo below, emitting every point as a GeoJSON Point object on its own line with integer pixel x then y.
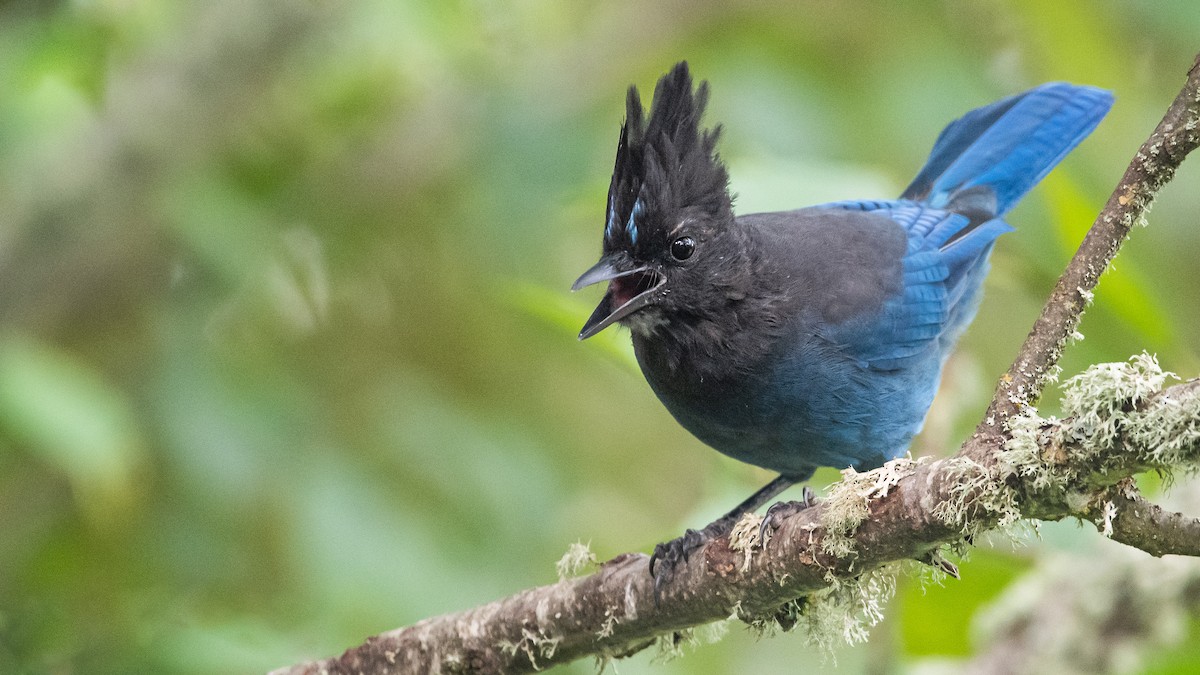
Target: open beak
{"type": "Point", "coordinates": [628, 291]}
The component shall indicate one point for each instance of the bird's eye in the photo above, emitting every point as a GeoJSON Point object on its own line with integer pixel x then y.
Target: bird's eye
{"type": "Point", "coordinates": [683, 248]}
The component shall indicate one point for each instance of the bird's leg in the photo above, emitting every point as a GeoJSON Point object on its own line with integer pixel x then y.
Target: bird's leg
{"type": "Point", "coordinates": [670, 554]}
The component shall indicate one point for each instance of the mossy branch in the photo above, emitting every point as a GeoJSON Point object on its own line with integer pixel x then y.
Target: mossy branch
{"type": "Point", "coordinates": [828, 566]}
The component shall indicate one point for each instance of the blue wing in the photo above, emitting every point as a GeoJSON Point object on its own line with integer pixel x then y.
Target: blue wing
{"type": "Point", "coordinates": [942, 270]}
{"type": "Point", "coordinates": [981, 165]}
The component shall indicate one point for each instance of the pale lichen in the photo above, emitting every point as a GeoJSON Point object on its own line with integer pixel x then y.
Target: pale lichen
{"type": "Point", "coordinates": [841, 614]}
{"type": "Point", "coordinates": [848, 503]}
{"type": "Point", "coordinates": [783, 617]}
{"type": "Point", "coordinates": [745, 537]}
{"type": "Point", "coordinates": [931, 575]}
{"type": "Point", "coordinates": [978, 490]}
{"type": "Point", "coordinates": [1033, 450]}
{"type": "Point", "coordinates": [609, 625]}
{"type": "Point", "coordinates": [1087, 295]}
{"type": "Point", "coordinates": [1100, 400]}
{"type": "Point", "coordinates": [669, 647]}
{"type": "Point", "coordinates": [1168, 434]}
{"type": "Point", "coordinates": [1108, 513]}
{"type": "Point", "coordinates": [533, 644]}
{"type": "Point", "coordinates": [577, 557]}
{"type": "Point", "coordinates": [845, 612]}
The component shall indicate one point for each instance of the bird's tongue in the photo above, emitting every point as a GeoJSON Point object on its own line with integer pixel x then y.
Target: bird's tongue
{"type": "Point", "coordinates": [630, 286]}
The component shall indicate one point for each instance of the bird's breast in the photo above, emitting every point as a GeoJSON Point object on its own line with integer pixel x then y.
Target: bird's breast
{"type": "Point", "coordinates": [800, 404]}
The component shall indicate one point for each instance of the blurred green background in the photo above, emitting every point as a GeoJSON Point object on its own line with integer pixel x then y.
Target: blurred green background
{"type": "Point", "coordinates": [287, 355]}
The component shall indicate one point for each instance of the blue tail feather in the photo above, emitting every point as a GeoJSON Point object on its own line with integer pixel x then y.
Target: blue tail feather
{"type": "Point", "coordinates": [1008, 146]}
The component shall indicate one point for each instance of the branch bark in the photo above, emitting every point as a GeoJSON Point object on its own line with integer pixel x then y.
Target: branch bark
{"type": "Point", "coordinates": [907, 510]}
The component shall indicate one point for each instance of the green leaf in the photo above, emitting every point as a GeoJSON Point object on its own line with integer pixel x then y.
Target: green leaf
{"type": "Point", "coordinates": [63, 411]}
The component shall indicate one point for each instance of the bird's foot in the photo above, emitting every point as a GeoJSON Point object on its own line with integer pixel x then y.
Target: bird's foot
{"type": "Point", "coordinates": [780, 510]}
{"type": "Point", "coordinates": [669, 555]}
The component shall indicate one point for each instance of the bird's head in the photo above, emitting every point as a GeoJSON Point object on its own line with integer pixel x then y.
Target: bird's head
{"type": "Point", "coordinates": [668, 209]}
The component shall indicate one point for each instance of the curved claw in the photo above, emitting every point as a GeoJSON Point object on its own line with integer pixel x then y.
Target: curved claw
{"type": "Point", "coordinates": [672, 551]}
{"type": "Point", "coordinates": [669, 555]}
{"type": "Point", "coordinates": [780, 510]}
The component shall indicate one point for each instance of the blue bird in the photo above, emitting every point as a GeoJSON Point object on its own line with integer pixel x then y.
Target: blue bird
{"type": "Point", "coordinates": [814, 337]}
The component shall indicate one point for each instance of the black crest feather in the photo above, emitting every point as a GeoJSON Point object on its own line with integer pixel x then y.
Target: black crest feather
{"type": "Point", "coordinates": [665, 164]}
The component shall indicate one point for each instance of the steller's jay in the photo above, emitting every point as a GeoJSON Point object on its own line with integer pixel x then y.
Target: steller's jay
{"type": "Point", "coordinates": [813, 337]}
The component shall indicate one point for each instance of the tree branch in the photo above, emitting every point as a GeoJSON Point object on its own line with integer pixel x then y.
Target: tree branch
{"type": "Point", "coordinates": [1141, 524]}
{"type": "Point", "coordinates": [1013, 467]}
{"type": "Point", "coordinates": [1151, 168]}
